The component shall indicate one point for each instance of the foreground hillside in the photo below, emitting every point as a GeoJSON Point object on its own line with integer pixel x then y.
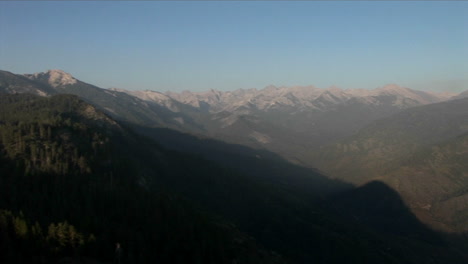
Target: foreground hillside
{"type": "Point", "coordinates": [74, 182]}
{"type": "Point", "coordinates": [72, 186]}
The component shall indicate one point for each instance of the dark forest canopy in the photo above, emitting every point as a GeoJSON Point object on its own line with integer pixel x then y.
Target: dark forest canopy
{"type": "Point", "coordinates": [68, 189]}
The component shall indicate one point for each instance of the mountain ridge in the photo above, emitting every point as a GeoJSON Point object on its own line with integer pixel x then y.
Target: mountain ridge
{"type": "Point", "coordinates": [285, 120]}
{"type": "Point", "coordinates": [302, 96]}
{"type": "Point", "coordinates": [277, 95]}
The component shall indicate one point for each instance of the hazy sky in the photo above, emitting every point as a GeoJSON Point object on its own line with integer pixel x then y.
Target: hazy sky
{"type": "Point", "coordinates": [229, 45]}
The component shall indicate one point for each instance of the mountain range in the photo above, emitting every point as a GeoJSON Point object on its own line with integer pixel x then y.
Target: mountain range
{"type": "Point", "coordinates": [285, 120]}
{"type": "Point", "coordinates": [393, 159]}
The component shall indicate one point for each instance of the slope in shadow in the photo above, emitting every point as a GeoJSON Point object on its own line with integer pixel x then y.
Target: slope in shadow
{"type": "Point", "coordinates": [258, 163]}
{"type": "Point", "coordinates": [372, 221]}
{"type": "Point", "coordinates": [378, 206]}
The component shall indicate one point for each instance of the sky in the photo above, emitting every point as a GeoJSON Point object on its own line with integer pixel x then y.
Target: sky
{"type": "Point", "coordinates": [228, 45]}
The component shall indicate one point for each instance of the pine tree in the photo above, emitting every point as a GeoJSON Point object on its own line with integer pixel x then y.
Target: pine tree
{"type": "Point", "coordinates": [20, 226]}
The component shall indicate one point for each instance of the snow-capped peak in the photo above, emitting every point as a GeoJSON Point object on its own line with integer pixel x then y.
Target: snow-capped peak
{"type": "Point", "coordinates": [54, 77]}
{"type": "Point", "coordinates": [59, 78]}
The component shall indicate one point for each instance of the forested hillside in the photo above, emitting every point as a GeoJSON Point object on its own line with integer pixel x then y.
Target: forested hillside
{"type": "Point", "coordinates": [70, 189]}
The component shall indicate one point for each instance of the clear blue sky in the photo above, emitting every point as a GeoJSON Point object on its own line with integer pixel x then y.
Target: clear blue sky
{"type": "Point", "coordinates": [229, 45]}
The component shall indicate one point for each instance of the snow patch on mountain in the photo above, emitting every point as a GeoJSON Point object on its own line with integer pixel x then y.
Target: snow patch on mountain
{"type": "Point", "coordinates": [260, 137]}
{"type": "Point", "coordinates": [179, 120]}
{"type": "Point", "coordinates": [41, 93]}
{"type": "Point", "coordinates": [152, 96]}
{"type": "Point", "coordinates": [227, 121]}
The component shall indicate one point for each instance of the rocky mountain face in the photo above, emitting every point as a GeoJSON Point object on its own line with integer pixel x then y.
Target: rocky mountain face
{"type": "Point", "coordinates": [54, 78]}
{"type": "Point", "coordinates": [13, 83]}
